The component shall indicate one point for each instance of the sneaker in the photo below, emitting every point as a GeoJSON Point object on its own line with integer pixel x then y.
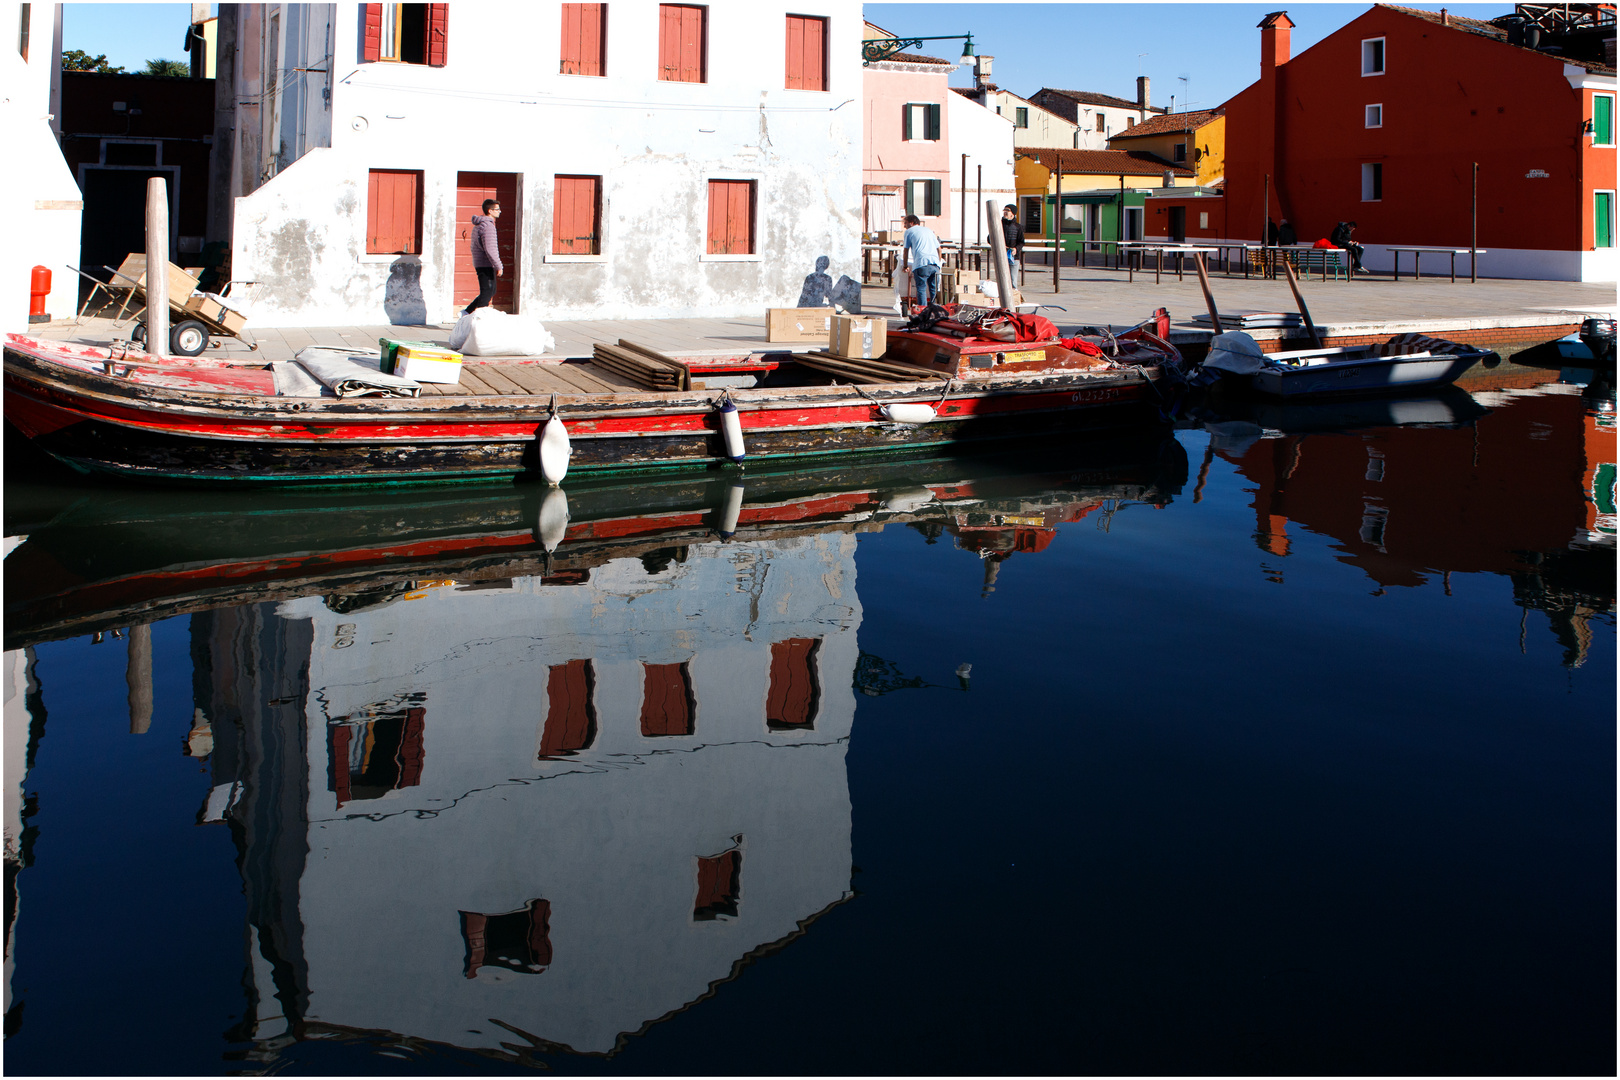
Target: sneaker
{"type": "Point", "coordinates": [1362, 270]}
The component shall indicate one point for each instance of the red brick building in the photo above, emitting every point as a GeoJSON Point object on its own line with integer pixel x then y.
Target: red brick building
{"type": "Point", "coordinates": [1382, 121]}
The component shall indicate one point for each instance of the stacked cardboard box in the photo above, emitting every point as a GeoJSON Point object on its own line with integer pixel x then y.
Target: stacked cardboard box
{"type": "Point", "coordinates": [798, 324]}
{"type": "Point", "coordinates": [858, 337]}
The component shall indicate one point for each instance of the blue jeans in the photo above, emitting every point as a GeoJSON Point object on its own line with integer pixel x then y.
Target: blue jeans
{"type": "Point", "coordinates": [926, 279]}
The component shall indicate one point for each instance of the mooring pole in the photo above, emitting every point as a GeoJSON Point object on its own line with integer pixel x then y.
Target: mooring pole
{"type": "Point", "coordinates": [998, 254]}
{"type": "Point", "coordinates": [1304, 312]}
{"type": "Point", "coordinates": [157, 267]}
{"type": "Point", "coordinates": [961, 238]}
{"type": "Point", "coordinates": [138, 674]}
{"type": "Point", "coordinates": [1473, 238]}
{"type": "Point", "coordinates": [1209, 297]}
{"type": "Point", "coordinates": [1057, 226]}
{"type": "Point", "coordinates": [979, 239]}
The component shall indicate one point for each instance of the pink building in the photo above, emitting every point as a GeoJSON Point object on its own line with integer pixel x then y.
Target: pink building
{"type": "Point", "coordinates": [906, 162]}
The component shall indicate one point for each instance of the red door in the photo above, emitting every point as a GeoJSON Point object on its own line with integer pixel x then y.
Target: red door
{"type": "Point", "coordinates": [472, 188]}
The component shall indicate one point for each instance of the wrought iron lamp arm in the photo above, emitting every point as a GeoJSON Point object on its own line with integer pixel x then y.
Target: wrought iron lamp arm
{"type": "Point", "coordinates": [875, 49]}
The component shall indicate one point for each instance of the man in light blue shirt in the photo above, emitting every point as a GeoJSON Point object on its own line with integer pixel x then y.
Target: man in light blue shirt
{"type": "Point", "coordinates": [921, 255]}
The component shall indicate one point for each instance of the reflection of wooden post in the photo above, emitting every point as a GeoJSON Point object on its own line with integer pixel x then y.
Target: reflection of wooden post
{"type": "Point", "coordinates": [139, 676]}
{"type": "Point", "coordinates": [157, 267]}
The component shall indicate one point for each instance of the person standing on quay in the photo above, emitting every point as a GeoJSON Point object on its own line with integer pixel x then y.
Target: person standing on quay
{"type": "Point", "coordinates": [921, 255]}
{"type": "Point", "coordinates": [1013, 234]}
{"type": "Point", "coordinates": [486, 255]}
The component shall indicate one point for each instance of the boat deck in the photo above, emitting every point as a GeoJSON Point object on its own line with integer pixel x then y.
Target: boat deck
{"type": "Point", "coordinates": [527, 379]}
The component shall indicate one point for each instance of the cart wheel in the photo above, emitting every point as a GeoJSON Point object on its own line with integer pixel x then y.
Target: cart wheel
{"type": "Point", "coordinates": [190, 338]}
{"type": "Point", "coordinates": [137, 334]}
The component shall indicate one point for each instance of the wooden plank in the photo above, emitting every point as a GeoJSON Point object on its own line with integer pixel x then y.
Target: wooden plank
{"type": "Point", "coordinates": [538, 380]}
{"type": "Point", "coordinates": [611, 378]}
{"type": "Point", "coordinates": [496, 378]}
{"type": "Point", "coordinates": [476, 385]}
{"type": "Point", "coordinates": [578, 380]}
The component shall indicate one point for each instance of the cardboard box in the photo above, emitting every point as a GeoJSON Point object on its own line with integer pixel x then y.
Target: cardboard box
{"type": "Point", "coordinates": [181, 284]}
{"type": "Point", "coordinates": [427, 363]}
{"type": "Point", "coordinates": [798, 324]}
{"type": "Point", "coordinates": [209, 308]}
{"type": "Point", "coordinates": [859, 336]}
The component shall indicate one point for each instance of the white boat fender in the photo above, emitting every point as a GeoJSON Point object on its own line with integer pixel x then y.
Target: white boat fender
{"type": "Point", "coordinates": [555, 449]}
{"type": "Point", "coordinates": [731, 430]}
{"type": "Point", "coordinates": [730, 512]}
{"type": "Point", "coordinates": [553, 523]}
{"type": "Point", "coordinates": [908, 412]}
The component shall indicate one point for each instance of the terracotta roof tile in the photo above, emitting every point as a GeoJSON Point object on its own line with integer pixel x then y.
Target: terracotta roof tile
{"type": "Point", "coordinates": [1169, 123]}
{"type": "Point", "coordinates": [1491, 30]}
{"type": "Point", "coordinates": [1106, 162]}
{"type": "Point", "coordinates": [917, 58]}
{"type": "Point", "coordinates": [1086, 97]}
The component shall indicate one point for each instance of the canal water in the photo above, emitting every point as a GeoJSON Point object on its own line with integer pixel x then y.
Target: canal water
{"type": "Point", "coordinates": [1284, 742]}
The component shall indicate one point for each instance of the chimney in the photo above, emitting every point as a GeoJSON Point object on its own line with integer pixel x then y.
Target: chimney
{"type": "Point", "coordinates": [1142, 101]}
{"type": "Point", "coordinates": [1445, 20]}
{"type": "Point", "coordinates": [1275, 49]}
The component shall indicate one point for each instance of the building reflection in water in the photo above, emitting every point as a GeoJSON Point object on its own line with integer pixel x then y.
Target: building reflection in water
{"type": "Point", "coordinates": [1530, 496]}
{"type": "Point", "coordinates": [573, 808]}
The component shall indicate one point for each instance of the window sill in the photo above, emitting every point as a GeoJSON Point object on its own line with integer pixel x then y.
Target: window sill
{"type": "Point", "coordinates": [554, 257]}
{"type": "Point", "coordinates": [730, 258]}
{"type": "Point", "coordinates": [1370, 74]}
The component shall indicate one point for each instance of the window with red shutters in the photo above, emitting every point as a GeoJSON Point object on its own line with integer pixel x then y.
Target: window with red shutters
{"type": "Point", "coordinates": [584, 39]}
{"type": "Point", "coordinates": [719, 885]}
{"type": "Point", "coordinates": [731, 217]}
{"type": "Point", "coordinates": [682, 43]}
{"type": "Point", "coordinates": [668, 706]}
{"type": "Point", "coordinates": [576, 215]}
{"type": "Point", "coordinates": [794, 694]}
{"type": "Point", "coordinates": [405, 33]}
{"type": "Point", "coordinates": [373, 753]}
{"type": "Point", "coordinates": [806, 53]}
{"type": "Point", "coordinates": [394, 212]}
{"type": "Point", "coordinates": [570, 709]}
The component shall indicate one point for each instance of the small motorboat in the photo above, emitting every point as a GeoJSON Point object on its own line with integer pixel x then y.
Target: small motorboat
{"type": "Point", "coordinates": [1401, 363]}
{"type": "Point", "coordinates": [1594, 341]}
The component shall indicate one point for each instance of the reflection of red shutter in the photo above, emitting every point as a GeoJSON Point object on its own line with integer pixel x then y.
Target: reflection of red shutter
{"type": "Point", "coordinates": [719, 882]}
{"type": "Point", "coordinates": [540, 932]}
{"type": "Point", "coordinates": [438, 34]}
{"type": "Point", "coordinates": [805, 47]}
{"type": "Point", "coordinates": [666, 700]}
{"type": "Point", "coordinates": [410, 749]}
{"type": "Point", "coordinates": [570, 715]}
{"type": "Point", "coordinates": [582, 38]}
{"type": "Point", "coordinates": [340, 762]}
{"type": "Point", "coordinates": [371, 35]}
{"type": "Point", "coordinates": [472, 927]}
{"type": "Point", "coordinates": [792, 697]}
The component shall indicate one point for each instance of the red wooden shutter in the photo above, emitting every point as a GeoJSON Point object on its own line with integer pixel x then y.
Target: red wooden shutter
{"type": "Point", "coordinates": [371, 34]}
{"type": "Point", "coordinates": [340, 761]}
{"type": "Point", "coordinates": [438, 34]}
{"type": "Point", "coordinates": [576, 215]}
{"type": "Point", "coordinates": [680, 42]}
{"type": "Point", "coordinates": [571, 715]}
{"type": "Point", "coordinates": [411, 752]}
{"type": "Point", "coordinates": [540, 932]}
{"type": "Point", "coordinates": [582, 34]}
{"type": "Point", "coordinates": [731, 217]}
{"type": "Point", "coordinates": [666, 700]}
{"type": "Point", "coordinates": [805, 51]}
{"type": "Point", "coordinates": [393, 211]}
{"type": "Point", "coordinates": [719, 884]}
{"type": "Point", "coordinates": [791, 701]}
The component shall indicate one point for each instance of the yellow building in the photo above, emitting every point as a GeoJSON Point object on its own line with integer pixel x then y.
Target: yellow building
{"type": "Point", "coordinates": [1194, 139]}
{"type": "Point", "coordinates": [1103, 192]}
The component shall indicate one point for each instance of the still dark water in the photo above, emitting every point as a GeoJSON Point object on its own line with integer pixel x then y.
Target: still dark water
{"type": "Point", "coordinates": [1282, 744]}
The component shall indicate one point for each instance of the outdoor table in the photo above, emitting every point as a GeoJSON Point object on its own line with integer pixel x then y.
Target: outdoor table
{"type": "Point", "coordinates": [1181, 251]}
{"type": "Point", "coordinates": [889, 258]}
{"type": "Point", "coordinates": [1417, 257]}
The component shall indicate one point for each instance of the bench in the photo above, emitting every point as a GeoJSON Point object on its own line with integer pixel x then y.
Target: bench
{"type": "Point", "coordinates": [1322, 260]}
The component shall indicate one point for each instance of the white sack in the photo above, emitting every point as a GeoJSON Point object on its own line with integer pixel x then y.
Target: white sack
{"type": "Point", "coordinates": [488, 332]}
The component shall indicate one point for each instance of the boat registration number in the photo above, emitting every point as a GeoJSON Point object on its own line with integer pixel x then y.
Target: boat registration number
{"type": "Point", "coordinates": [1023, 519]}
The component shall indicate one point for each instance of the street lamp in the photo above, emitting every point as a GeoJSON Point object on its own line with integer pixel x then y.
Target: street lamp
{"type": "Point", "coordinates": [875, 49]}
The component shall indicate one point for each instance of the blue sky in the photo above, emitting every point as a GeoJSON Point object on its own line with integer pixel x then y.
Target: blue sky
{"type": "Point", "coordinates": [1087, 46]}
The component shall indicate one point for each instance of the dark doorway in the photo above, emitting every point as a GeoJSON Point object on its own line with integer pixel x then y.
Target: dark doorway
{"type": "Point", "coordinates": [114, 222]}
{"type": "Point", "coordinates": [1178, 224]}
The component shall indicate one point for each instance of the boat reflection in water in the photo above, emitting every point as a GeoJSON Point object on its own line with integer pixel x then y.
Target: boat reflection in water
{"type": "Point", "coordinates": [516, 771]}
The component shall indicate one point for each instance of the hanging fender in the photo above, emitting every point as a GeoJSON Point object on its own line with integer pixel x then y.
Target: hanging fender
{"type": "Point", "coordinates": [555, 450]}
{"type": "Point", "coordinates": [908, 412]}
{"type": "Point", "coordinates": [731, 430]}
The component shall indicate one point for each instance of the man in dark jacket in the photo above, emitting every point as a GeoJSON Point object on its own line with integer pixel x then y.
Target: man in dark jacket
{"type": "Point", "coordinates": [1341, 238]}
{"type": "Point", "coordinates": [486, 255]}
{"type": "Point", "coordinates": [1013, 234]}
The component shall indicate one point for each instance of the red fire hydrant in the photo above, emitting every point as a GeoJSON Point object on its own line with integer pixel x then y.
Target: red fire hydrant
{"type": "Point", "coordinates": [39, 287]}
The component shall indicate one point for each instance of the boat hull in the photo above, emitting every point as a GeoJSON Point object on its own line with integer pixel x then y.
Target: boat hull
{"type": "Point", "coordinates": [105, 423]}
{"type": "Point", "coordinates": [1377, 374]}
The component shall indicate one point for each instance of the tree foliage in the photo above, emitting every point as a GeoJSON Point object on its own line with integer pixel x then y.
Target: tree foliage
{"type": "Point", "coordinates": [169, 67]}
{"type": "Point", "coordinates": [79, 60]}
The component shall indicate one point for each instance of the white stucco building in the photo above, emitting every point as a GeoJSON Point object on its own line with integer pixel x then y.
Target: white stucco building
{"type": "Point", "coordinates": [566, 809]}
{"type": "Point", "coordinates": [652, 160]}
{"type": "Point", "coordinates": [981, 146]}
{"type": "Point", "coordinates": [39, 200]}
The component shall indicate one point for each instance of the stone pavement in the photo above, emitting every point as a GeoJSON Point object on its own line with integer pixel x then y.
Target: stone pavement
{"type": "Point", "coordinates": [1090, 295]}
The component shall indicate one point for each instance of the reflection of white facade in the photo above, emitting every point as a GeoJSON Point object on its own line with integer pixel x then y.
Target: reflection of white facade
{"type": "Point", "coordinates": [19, 679]}
{"type": "Point", "coordinates": [610, 836]}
